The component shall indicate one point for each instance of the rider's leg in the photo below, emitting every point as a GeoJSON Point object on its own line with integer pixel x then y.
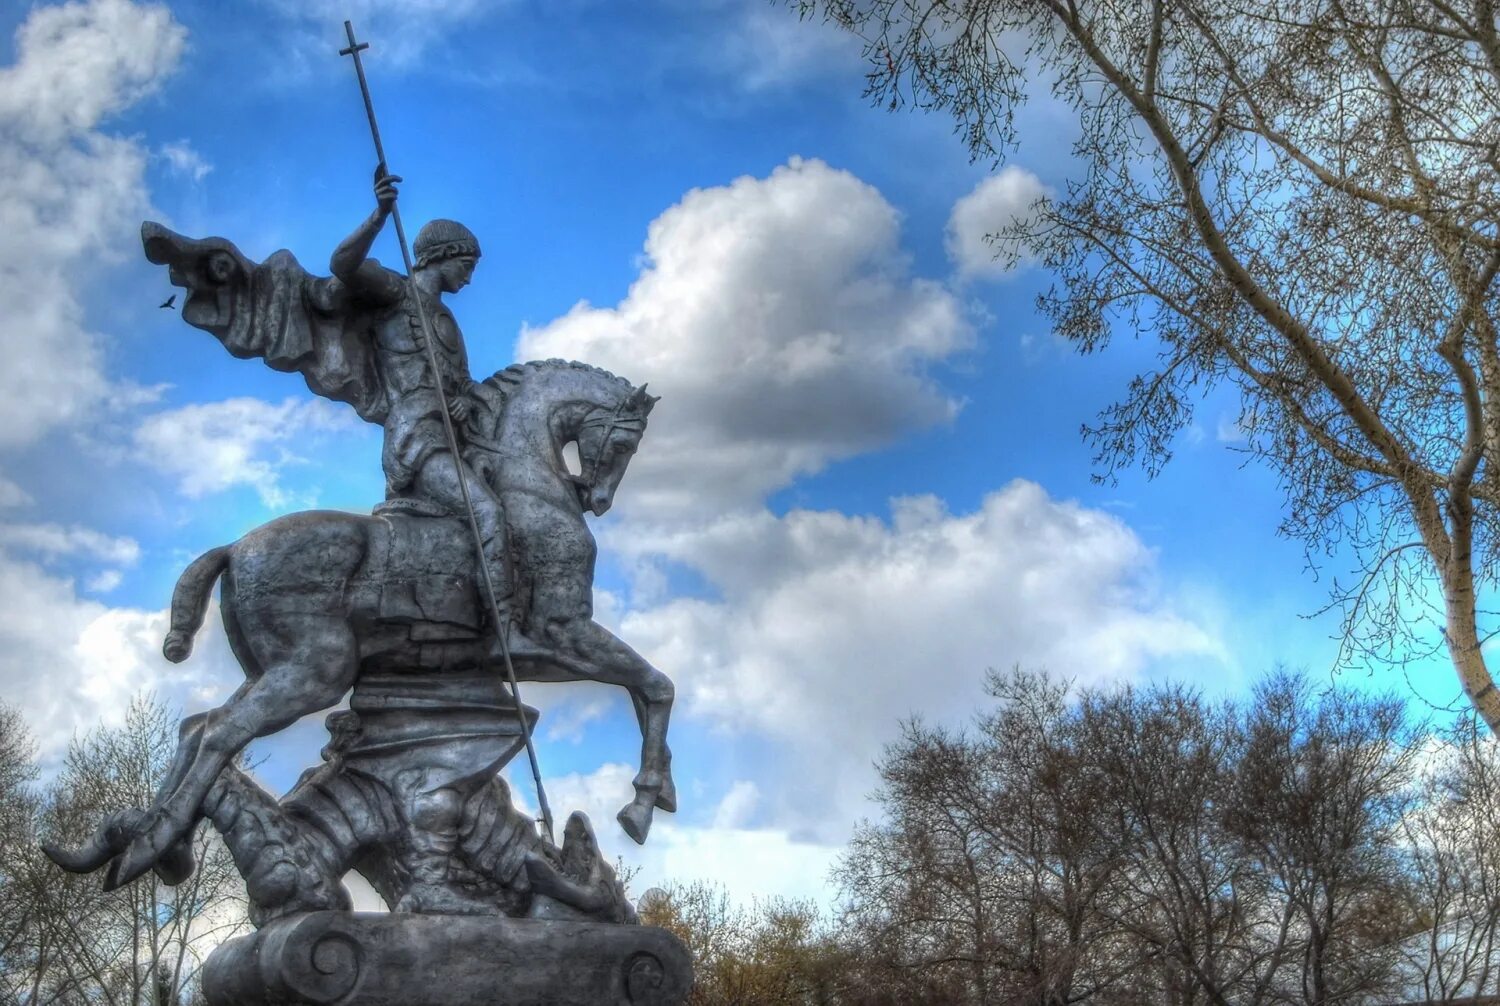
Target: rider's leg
{"type": "Point", "coordinates": [442, 479]}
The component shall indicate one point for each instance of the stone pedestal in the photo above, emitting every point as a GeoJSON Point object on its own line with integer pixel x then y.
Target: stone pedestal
{"type": "Point", "coordinates": [369, 959]}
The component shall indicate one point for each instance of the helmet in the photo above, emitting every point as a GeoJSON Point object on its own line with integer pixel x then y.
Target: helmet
{"type": "Point", "coordinates": [440, 239]}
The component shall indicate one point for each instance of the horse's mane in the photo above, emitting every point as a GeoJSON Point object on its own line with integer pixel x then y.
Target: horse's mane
{"type": "Point", "coordinates": [512, 377]}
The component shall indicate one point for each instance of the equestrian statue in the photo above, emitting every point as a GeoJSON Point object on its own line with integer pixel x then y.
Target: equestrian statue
{"type": "Point", "coordinates": [473, 574]}
{"type": "Point", "coordinates": [312, 600]}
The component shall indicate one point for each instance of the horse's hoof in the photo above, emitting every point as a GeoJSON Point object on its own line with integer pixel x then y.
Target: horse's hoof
{"type": "Point", "coordinates": [666, 799]}
{"type": "Point", "coordinates": [658, 790]}
{"type": "Point", "coordinates": [635, 819]}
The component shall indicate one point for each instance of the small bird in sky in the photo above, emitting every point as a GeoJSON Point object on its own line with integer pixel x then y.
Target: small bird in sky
{"type": "Point", "coordinates": [169, 301]}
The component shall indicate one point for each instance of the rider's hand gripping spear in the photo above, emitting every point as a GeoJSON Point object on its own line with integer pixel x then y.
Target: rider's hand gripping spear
{"type": "Point", "coordinates": [499, 624]}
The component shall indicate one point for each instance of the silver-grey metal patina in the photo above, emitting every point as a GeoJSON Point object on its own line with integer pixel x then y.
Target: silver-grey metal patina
{"type": "Point", "coordinates": [393, 606]}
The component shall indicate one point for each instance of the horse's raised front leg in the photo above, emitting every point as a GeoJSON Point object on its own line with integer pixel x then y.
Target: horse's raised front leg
{"type": "Point", "coordinates": [588, 650]}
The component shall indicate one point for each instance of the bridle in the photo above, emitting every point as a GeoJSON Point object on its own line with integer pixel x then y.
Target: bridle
{"type": "Point", "coordinates": [625, 416]}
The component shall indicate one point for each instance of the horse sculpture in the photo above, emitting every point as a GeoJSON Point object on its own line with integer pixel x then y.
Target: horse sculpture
{"type": "Point", "coordinates": [312, 600]}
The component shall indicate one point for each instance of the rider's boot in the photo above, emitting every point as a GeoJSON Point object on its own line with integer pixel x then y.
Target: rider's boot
{"type": "Point", "coordinates": [501, 575]}
{"type": "Point", "coordinates": [502, 579]}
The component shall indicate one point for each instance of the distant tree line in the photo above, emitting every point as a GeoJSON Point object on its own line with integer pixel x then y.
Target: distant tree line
{"type": "Point", "coordinates": [1304, 845]}
{"type": "Point", "coordinates": [62, 939]}
{"type": "Point", "coordinates": [1143, 845]}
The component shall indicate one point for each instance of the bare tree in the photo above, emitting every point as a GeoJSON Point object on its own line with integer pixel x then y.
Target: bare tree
{"type": "Point", "coordinates": [1321, 789]}
{"type": "Point", "coordinates": [1300, 198]}
{"type": "Point", "coordinates": [1454, 837]}
{"type": "Point", "coordinates": [985, 881]}
{"type": "Point", "coordinates": [1183, 898]}
{"type": "Point", "coordinates": [143, 944]}
{"type": "Point", "coordinates": [18, 806]}
{"type": "Point", "coordinates": [1143, 846]}
{"type": "Point", "coordinates": [772, 953]}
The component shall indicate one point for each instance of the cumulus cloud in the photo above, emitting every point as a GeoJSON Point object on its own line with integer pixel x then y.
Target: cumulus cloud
{"type": "Point", "coordinates": [995, 204]}
{"type": "Point", "coordinates": [79, 63]}
{"type": "Point", "coordinates": [569, 714]}
{"type": "Point", "coordinates": [749, 863]}
{"type": "Point", "coordinates": [829, 629]}
{"type": "Point", "coordinates": [104, 581]}
{"type": "Point", "coordinates": [780, 319]}
{"type": "Point", "coordinates": [70, 663]}
{"type": "Point", "coordinates": [211, 447]}
{"type": "Point", "coordinates": [74, 195]}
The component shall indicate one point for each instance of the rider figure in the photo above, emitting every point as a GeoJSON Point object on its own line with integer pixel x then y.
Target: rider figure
{"type": "Point", "coordinates": [415, 457]}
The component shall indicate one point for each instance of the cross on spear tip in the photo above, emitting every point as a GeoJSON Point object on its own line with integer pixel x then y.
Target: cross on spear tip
{"type": "Point", "coordinates": [499, 624]}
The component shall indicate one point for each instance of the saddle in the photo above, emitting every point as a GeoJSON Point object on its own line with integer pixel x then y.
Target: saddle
{"type": "Point", "coordinates": [420, 571]}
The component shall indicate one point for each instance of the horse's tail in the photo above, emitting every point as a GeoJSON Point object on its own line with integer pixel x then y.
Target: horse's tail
{"type": "Point", "coordinates": [190, 601]}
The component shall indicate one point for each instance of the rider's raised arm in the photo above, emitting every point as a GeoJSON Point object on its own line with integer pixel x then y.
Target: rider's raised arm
{"type": "Point", "coordinates": [351, 262]}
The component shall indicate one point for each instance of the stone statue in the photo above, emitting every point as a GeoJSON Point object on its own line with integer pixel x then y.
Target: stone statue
{"type": "Point", "coordinates": [475, 572]}
{"type": "Point", "coordinates": [391, 606]}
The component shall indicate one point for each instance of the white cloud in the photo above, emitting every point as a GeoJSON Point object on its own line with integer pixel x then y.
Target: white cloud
{"type": "Point", "coordinates": [770, 46]}
{"type": "Point", "coordinates": [104, 581]}
{"type": "Point", "coordinates": [738, 805]}
{"type": "Point", "coordinates": [569, 715]}
{"type": "Point", "coordinates": [1230, 429]}
{"type": "Point", "coordinates": [54, 540]}
{"type": "Point", "coordinates": [184, 160]}
{"type": "Point", "coordinates": [70, 664]}
{"type": "Point", "coordinates": [211, 447]}
{"type": "Point", "coordinates": [996, 203]}
{"type": "Point", "coordinates": [779, 318]}
{"type": "Point", "coordinates": [400, 31]}
{"type": "Point", "coordinates": [830, 629]}
{"type": "Point", "coordinates": [79, 63]}
{"type": "Point", "coordinates": [74, 196]}
{"type": "Point", "coordinates": [748, 862]}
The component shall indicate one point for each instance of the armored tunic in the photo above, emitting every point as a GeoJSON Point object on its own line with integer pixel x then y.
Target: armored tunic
{"type": "Point", "coordinates": [414, 421]}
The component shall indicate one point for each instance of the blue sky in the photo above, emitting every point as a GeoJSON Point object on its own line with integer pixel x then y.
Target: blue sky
{"type": "Point", "coordinates": [864, 484]}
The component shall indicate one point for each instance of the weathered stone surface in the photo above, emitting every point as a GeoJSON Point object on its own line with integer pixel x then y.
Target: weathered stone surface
{"type": "Point", "coordinates": [363, 959]}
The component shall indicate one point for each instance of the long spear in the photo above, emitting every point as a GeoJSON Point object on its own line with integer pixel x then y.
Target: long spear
{"type": "Point", "coordinates": [499, 625]}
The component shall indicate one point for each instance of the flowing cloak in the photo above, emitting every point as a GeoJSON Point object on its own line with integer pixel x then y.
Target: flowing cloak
{"type": "Point", "coordinates": [278, 311]}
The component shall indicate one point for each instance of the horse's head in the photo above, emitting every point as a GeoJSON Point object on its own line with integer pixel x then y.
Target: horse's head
{"type": "Point", "coordinates": [533, 409]}
{"type": "Point", "coordinates": [607, 439]}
